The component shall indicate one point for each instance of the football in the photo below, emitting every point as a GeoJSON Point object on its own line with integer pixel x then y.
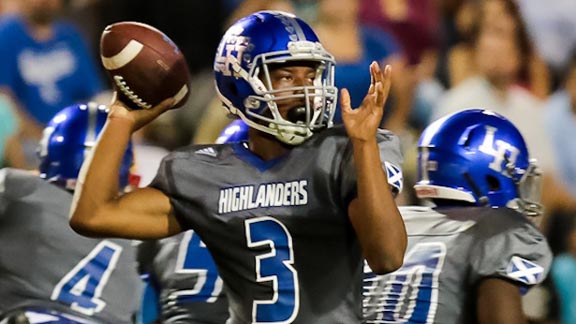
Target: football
{"type": "Point", "coordinates": [145, 66]}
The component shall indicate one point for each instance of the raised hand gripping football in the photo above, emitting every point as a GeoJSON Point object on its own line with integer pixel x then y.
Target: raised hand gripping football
{"type": "Point", "coordinates": [137, 118]}
{"type": "Point", "coordinates": [361, 123]}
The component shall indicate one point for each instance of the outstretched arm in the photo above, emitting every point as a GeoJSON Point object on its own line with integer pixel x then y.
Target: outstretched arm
{"type": "Point", "coordinates": [97, 209]}
{"type": "Point", "coordinates": [373, 212]}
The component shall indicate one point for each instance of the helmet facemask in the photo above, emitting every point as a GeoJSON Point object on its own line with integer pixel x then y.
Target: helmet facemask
{"type": "Point", "coordinates": [319, 100]}
{"type": "Point", "coordinates": [529, 186]}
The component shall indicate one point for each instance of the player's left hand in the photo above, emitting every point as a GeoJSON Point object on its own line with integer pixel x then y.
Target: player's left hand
{"type": "Point", "coordinates": [361, 123]}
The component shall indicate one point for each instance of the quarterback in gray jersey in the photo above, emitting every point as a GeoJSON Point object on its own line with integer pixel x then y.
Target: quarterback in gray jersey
{"type": "Point", "coordinates": [46, 270]}
{"type": "Point", "coordinates": [287, 216]}
{"type": "Point", "coordinates": [471, 257]}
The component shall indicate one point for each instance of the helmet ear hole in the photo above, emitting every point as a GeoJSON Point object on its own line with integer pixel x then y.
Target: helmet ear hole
{"type": "Point", "coordinates": [234, 89]}
{"type": "Point", "coordinates": [493, 183]}
{"type": "Point", "coordinates": [467, 142]}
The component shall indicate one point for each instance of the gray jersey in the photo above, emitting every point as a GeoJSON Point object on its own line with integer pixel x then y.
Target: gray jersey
{"type": "Point", "coordinates": [185, 276]}
{"type": "Point", "coordinates": [449, 251]}
{"type": "Point", "coordinates": [43, 262]}
{"type": "Point", "coordinates": [278, 230]}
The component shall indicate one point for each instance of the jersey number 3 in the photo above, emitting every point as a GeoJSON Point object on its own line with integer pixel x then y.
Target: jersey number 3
{"type": "Point", "coordinates": [82, 286]}
{"type": "Point", "coordinates": [271, 239]}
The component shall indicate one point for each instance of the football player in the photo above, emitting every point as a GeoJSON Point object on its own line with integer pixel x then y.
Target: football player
{"type": "Point", "coordinates": [287, 218]}
{"type": "Point", "coordinates": [47, 271]}
{"type": "Point", "coordinates": [470, 257]}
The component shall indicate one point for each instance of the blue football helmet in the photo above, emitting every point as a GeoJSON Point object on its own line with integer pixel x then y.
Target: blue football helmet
{"type": "Point", "coordinates": [67, 140]}
{"type": "Point", "coordinates": [236, 131]}
{"type": "Point", "coordinates": [478, 156]}
{"type": "Point", "coordinates": [242, 71]}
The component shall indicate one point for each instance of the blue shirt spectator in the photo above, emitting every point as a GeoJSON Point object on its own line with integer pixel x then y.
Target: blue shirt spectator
{"type": "Point", "coordinates": [564, 277]}
{"type": "Point", "coordinates": [44, 76]}
{"type": "Point", "coordinates": [354, 76]}
{"type": "Point", "coordinates": [561, 126]}
{"type": "Point", "coordinates": [8, 125]}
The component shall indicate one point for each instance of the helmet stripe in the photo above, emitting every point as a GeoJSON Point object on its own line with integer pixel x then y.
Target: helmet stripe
{"type": "Point", "coordinates": [297, 28]}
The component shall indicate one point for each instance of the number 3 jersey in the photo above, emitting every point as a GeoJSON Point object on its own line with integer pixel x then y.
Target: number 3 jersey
{"type": "Point", "coordinates": [45, 264]}
{"type": "Point", "coordinates": [278, 230]}
{"type": "Point", "coordinates": [449, 251]}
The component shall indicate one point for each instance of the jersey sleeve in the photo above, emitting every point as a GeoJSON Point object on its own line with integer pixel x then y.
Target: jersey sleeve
{"type": "Point", "coordinates": [391, 157]}
{"type": "Point", "coordinates": [165, 182]}
{"type": "Point", "coordinates": [512, 249]}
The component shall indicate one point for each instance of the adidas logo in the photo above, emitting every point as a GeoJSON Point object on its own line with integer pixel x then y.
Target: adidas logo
{"type": "Point", "coordinates": [207, 151]}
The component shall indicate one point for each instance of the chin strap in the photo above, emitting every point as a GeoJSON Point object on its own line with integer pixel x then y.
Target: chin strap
{"type": "Point", "coordinates": [291, 135]}
{"type": "Point", "coordinates": [482, 200]}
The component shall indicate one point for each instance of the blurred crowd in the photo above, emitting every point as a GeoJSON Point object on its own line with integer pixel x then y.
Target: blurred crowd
{"type": "Point", "coordinates": [516, 57]}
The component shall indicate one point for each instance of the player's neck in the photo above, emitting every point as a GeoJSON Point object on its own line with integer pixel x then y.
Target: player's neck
{"type": "Point", "coordinates": [266, 147]}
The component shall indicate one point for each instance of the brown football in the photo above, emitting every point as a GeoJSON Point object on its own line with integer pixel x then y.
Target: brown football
{"type": "Point", "coordinates": [144, 65]}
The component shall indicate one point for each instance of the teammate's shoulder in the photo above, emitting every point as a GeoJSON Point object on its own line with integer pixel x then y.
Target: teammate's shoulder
{"type": "Point", "coordinates": [428, 221]}
{"type": "Point", "coordinates": [503, 217]}
{"type": "Point", "coordinates": [22, 180]}
{"type": "Point", "coordinates": [505, 221]}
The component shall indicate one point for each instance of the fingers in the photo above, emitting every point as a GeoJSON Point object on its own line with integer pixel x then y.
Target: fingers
{"type": "Point", "coordinates": [165, 105]}
{"type": "Point", "coordinates": [158, 109]}
{"type": "Point", "coordinates": [138, 117]}
{"type": "Point", "coordinates": [385, 86]}
{"type": "Point", "coordinates": [345, 102]}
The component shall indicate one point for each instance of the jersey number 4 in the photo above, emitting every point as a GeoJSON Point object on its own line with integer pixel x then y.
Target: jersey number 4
{"type": "Point", "coordinates": [82, 286]}
{"type": "Point", "coordinates": [271, 239]}
{"type": "Point", "coordinates": [410, 294]}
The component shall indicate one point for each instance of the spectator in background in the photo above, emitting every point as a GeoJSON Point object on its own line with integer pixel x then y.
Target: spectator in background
{"type": "Point", "coordinates": [414, 23]}
{"type": "Point", "coordinates": [560, 119]}
{"type": "Point", "coordinates": [502, 17]}
{"type": "Point", "coordinates": [8, 6]}
{"type": "Point", "coordinates": [560, 115]}
{"type": "Point", "coordinates": [45, 65]}
{"type": "Point", "coordinates": [563, 273]}
{"type": "Point", "coordinates": [552, 26]}
{"type": "Point", "coordinates": [8, 124]}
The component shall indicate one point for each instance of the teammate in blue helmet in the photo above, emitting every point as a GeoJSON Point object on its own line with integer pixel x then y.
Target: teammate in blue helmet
{"type": "Point", "coordinates": [471, 256]}
{"type": "Point", "coordinates": [486, 163]}
{"type": "Point", "coordinates": [67, 140]}
{"type": "Point", "coordinates": [288, 216]}
{"type": "Point", "coordinates": [46, 269]}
